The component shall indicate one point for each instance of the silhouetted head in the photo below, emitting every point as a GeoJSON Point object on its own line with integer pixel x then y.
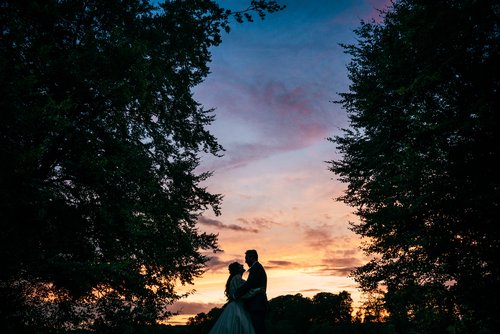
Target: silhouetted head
{"type": "Point", "coordinates": [236, 268]}
{"type": "Point", "coordinates": [251, 257]}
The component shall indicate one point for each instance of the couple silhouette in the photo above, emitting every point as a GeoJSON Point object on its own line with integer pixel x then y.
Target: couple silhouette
{"type": "Point", "coordinates": [245, 311]}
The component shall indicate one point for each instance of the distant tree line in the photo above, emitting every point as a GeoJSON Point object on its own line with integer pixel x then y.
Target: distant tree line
{"type": "Point", "coordinates": [324, 313]}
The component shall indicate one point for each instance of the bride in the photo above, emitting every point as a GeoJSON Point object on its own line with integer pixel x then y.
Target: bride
{"type": "Point", "coordinates": [234, 318]}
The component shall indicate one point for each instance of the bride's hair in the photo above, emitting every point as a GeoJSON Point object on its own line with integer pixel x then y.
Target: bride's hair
{"type": "Point", "coordinates": [234, 269]}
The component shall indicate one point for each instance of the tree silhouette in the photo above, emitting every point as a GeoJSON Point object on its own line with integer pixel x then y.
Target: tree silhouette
{"type": "Point", "coordinates": [324, 313]}
{"type": "Point", "coordinates": [290, 314]}
{"type": "Point", "coordinates": [373, 307]}
{"type": "Point", "coordinates": [100, 137]}
{"type": "Point", "coordinates": [421, 158]}
{"type": "Point", "coordinates": [203, 322]}
{"type": "Point", "coordinates": [332, 308]}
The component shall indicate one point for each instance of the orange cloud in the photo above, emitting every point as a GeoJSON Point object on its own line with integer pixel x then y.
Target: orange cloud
{"type": "Point", "coordinates": [274, 264]}
{"type": "Point", "coordinates": [319, 237]}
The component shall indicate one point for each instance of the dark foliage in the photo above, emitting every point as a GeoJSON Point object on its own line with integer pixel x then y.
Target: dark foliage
{"type": "Point", "coordinates": [290, 314]}
{"type": "Point", "coordinates": [203, 322]}
{"type": "Point", "coordinates": [421, 161]}
{"type": "Point", "coordinates": [99, 140]}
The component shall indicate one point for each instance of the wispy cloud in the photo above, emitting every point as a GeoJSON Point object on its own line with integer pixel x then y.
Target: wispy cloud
{"type": "Point", "coordinates": [340, 262]}
{"type": "Point", "coordinates": [220, 225]}
{"type": "Point", "coordinates": [216, 264]}
{"type": "Point", "coordinates": [281, 265]}
{"type": "Point", "coordinates": [319, 237]}
{"type": "Point", "coordinates": [341, 254]}
{"type": "Point", "coordinates": [332, 271]}
{"type": "Point", "coordinates": [310, 290]}
{"type": "Point", "coordinates": [290, 116]}
{"type": "Point", "coordinates": [258, 222]}
{"type": "Point", "coordinates": [278, 117]}
{"type": "Point", "coordinates": [239, 155]}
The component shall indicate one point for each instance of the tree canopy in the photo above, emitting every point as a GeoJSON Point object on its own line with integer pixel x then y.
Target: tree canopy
{"type": "Point", "coordinates": [100, 141]}
{"type": "Point", "coordinates": [421, 159]}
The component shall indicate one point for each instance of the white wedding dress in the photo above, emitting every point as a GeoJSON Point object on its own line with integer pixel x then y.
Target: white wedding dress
{"type": "Point", "coordinates": [234, 319]}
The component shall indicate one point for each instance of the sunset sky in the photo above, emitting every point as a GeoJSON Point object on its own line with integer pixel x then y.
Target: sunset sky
{"type": "Point", "coordinates": [272, 86]}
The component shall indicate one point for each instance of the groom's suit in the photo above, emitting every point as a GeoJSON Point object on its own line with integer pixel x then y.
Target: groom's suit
{"type": "Point", "coordinates": [256, 305]}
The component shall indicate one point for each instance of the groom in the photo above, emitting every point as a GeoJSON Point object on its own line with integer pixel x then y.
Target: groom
{"type": "Point", "coordinates": [257, 278]}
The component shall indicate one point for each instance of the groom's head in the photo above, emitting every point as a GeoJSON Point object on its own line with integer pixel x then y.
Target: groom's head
{"type": "Point", "coordinates": [251, 257]}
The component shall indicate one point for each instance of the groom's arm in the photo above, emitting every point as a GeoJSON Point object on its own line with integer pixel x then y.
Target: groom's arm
{"type": "Point", "coordinates": [252, 282]}
{"type": "Point", "coordinates": [247, 286]}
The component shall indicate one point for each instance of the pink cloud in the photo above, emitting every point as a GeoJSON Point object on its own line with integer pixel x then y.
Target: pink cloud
{"type": "Point", "coordinates": [292, 117]}
{"type": "Point", "coordinates": [319, 237]}
{"type": "Point", "coordinates": [215, 264]}
{"type": "Point", "coordinates": [259, 222]}
{"type": "Point", "coordinates": [282, 119]}
{"type": "Point", "coordinates": [274, 109]}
